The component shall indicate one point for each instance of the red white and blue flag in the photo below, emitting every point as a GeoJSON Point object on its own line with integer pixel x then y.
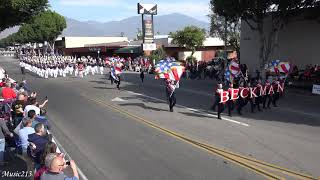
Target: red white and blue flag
{"type": "Point", "coordinates": [166, 69]}
{"type": "Point", "coordinates": [279, 67]}
{"type": "Point", "coordinates": [232, 71]}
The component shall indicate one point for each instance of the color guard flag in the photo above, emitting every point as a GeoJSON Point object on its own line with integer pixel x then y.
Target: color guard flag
{"type": "Point", "coordinates": [167, 69]}
{"type": "Point", "coordinates": [114, 74]}
{"type": "Point", "coordinates": [279, 67]}
{"type": "Point", "coordinates": [232, 71]}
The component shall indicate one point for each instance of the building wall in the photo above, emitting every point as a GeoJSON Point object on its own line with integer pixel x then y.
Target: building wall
{"type": "Point", "coordinates": [75, 42]}
{"type": "Point", "coordinates": [298, 43]}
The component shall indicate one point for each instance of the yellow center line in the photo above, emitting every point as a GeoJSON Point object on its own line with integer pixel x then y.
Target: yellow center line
{"type": "Point", "coordinates": [243, 161]}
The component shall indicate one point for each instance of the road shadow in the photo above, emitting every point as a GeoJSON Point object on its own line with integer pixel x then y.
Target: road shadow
{"type": "Point", "coordinates": [98, 82]}
{"type": "Point", "coordinates": [105, 88]}
{"type": "Point", "coordinates": [195, 115]}
{"type": "Point", "coordinates": [143, 106]}
{"type": "Point", "coordinates": [144, 99]}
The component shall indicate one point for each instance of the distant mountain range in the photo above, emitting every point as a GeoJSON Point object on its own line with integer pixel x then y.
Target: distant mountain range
{"type": "Point", "coordinates": [163, 25]}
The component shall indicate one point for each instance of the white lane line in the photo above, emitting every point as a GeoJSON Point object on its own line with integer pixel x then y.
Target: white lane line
{"type": "Point", "coordinates": [135, 93]}
{"type": "Point", "coordinates": [237, 122]}
{"type": "Point", "coordinates": [191, 109]}
{"type": "Point", "coordinates": [230, 120]}
{"type": "Point", "coordinates": [61, 149]}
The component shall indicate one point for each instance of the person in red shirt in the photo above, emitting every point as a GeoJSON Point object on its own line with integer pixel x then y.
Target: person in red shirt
{"type": "Point", "coordinates": [8, 92]}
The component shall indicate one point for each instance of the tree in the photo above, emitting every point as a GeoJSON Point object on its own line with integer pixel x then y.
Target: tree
{"type": "Point", "coordinates": [226, 30]}
{"type": "Point", "coordinates": [139, 35]}
{"type": "Point", "coordinates": [46, 26]}
{"type": "Point", "coordinates": [122, 34]}
{"type": "Point", "coordinates": [15, 12]}
{"type": "Point", "coordinates": [158, 54]}
{"type": "Point", "coordinates": [254, 14]}
{"type": "Point", "coordinates": [191, 38]}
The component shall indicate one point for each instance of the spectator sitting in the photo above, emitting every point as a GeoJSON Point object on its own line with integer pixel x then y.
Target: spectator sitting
{"type": "Point", "coordinates": [56, 167]}
{"type": "Point", "coordinates": [24, 133]}
{"type": "Point", "coordinates": [3, 131]}
{"type": "Point", "coordinates": [8, 92]}
{"type": "Point", "coordinates": [39, 139]}
{"type": "Point", "coordinates": [48, 153]}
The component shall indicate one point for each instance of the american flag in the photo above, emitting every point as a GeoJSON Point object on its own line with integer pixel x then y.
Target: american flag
{"type": "Point", "coordinates": [232, 71]}
{"type": "Point", "coordinates": [115, 73]}
{"type": "Point", "coordinates": [167, 69]}
{"type": "Point", "coordinates": [279, 67]}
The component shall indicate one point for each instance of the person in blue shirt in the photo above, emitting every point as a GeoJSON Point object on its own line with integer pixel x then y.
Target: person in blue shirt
{"type": "Point", "coordinates": [24, 133]}
{"type": "Point", "coordinates": [39, 140]}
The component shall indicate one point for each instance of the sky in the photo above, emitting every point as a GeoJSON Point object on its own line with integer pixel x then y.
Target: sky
{"type": "Point", "coordinates": [114, 10]}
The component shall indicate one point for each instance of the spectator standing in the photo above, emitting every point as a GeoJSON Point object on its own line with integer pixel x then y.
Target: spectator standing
{"type": "Point", "coordinates": [39, 139]}
{"type": "Point", "coordinates": [8, 92]}
{"type": "Point", "coordinates": [24, 134]}
{"type": "Point", "coordinates": [32, 106]}
{"type": "Point", "coordinates": [18, 108]}
{"type": "Point", "coordinates": [50, 147]}
{"type": "Point", "coordinates": [56, 167]}
{"type": "Point", "coordinates": [3, 131]}
{"type": "Point", "coordinates": [32, 117]}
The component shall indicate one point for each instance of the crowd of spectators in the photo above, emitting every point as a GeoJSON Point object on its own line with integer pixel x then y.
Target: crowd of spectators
{"type": "Point", "coordinates": [310, 72]}
{"type": "Point", "coordinates": [24, 127]}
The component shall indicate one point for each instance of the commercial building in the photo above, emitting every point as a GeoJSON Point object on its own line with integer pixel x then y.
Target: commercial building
{"type": "Point", "coordinates": [297, 42]}
{"type": "Point", "coordinates": [205, 53]}
{"type": "Point", "coordinates": [93, 46]}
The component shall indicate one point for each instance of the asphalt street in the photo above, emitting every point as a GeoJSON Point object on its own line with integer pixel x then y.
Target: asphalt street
{"type": "Point", "coordinates": [108, 143]}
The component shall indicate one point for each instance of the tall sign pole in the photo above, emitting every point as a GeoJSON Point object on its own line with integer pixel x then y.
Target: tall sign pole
{"type": "Point", "coordinates": [148, 44]}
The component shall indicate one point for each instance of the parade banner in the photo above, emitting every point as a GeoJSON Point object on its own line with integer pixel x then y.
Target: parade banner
{"type": "Point", "coordinates": [249, 92]}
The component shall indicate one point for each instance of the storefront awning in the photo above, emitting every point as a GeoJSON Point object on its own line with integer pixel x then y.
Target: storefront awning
{"type": "Point", "coordinates": [129, 50]}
